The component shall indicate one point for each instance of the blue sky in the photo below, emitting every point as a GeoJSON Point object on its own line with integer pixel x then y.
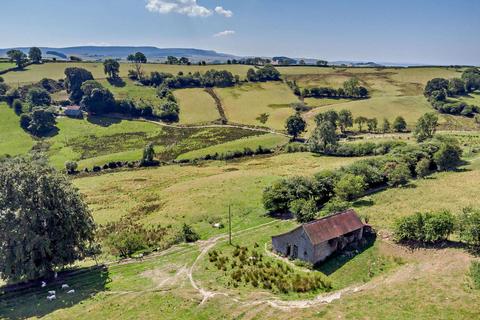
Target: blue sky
{"type": "Point", "coordinates": [415, 31]}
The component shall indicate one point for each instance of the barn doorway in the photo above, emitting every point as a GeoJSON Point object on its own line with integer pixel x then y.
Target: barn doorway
{"type": "Point", "coordinates": [295, 252]}
{"type": "Point", "coordinates": [289, 250]}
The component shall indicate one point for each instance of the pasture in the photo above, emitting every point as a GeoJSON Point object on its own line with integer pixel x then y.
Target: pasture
{"type": "Point", "coordinates": [244, 104]}
{"type": "Point", "coordinates": [13, 139]}
{"type": "Point", "coordinates": [198, 195]}
{"type": "Point", "coordinates": [196, 106]}
{"type": "Point", "coordinates": [6, 65]}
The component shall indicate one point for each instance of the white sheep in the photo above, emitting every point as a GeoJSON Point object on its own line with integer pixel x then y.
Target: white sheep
{"type": "Point", "coordinates": [65, 286]}
{"type": "Point", "coordinates": [52, 297]}
{"type": "Point", "coordinates": [71, 291]}
{"type": "Point", "coordinates": [51, 292]}
{"type": "Point", "coordinates": [44, 284]}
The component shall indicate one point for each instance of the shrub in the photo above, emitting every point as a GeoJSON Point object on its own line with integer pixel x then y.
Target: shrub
{"type": "Point", "coordinates": [17, 106]}
{"type": "Point", "coordinates": [424, 227]}
{"type": "Point", "coordinates": [469, 227]}
{"type": "Point", "coordinates": [303, 210]}
{"type": "Point", "coordinates": [448, 156]}
{"type": "Point", "coordinates": [398, 174]}
{"type": "Point", "coordinates": [71, 166]}
{"type": "Point", "coordinates": [335, 205]}
{"type": "Point", "coordinates": [349, 187]}
{"type": "Point", "coordinates": [422, 169]}
{"type": "Point", "coordinates": [188, 234]}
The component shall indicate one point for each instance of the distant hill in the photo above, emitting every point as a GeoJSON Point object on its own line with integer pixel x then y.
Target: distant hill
{"type": "Point", "coordinates": [121, 52]}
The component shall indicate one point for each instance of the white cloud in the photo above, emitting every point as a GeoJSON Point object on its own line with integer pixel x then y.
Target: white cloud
{"type": "Point", "coordinates": [224, 33]}
{"type": "Point", "coordinates": [187, 7]}
{"type": "Point", "coordinates": [224, 12]}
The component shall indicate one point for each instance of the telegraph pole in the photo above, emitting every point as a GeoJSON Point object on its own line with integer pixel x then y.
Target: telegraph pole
{"type": "Point", "coordinates": [229, 225]}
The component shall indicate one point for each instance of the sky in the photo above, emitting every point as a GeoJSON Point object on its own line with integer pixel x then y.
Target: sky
{"type": "Point", "coordinates": [404, 31]}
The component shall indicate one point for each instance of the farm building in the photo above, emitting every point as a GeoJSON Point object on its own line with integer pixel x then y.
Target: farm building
{"type": "Point", "coordinates": [316, 240]}
{"type": "Point", "coordinates": [73, 111]}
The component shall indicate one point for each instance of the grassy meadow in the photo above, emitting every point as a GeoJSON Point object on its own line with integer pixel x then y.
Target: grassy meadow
{"type": "Point", "coordinates": [243, 104]}
{"type": "Point", "coordinates": [6, 65]}
{"type": "Point", "coordinates": [13, 139]}
{"type": "Point", "coordinates": [196, 106]}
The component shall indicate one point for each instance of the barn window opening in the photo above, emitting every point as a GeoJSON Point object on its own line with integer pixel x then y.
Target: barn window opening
{"type": "Point", "coordinates": [295, 252]}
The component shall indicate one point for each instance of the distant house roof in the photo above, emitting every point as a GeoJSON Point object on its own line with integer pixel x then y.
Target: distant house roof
{"type": "Point", "coordinates": [331, 227]}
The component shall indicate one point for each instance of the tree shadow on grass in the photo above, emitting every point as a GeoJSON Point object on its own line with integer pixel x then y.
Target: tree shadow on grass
{"type": "Point", "coordinates": [103, 121]}
{"type": "Point", "coordinates": [117, 82]}
{"type": "Point", "coordinates": [340, 258]}
{"type": "Point", "coordinates": [30, 300]}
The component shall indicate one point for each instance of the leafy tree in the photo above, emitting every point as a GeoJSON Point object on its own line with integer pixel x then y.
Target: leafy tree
{"type": "Point", "coordinates": [372, 124]}
{"type": "Point", "coordinates": [322, 63]}
{"type": "Point", "coordinates": [399, 124]}
{"type": "Point", "coordinates": [75, 77]}
{"type": "Point", "coordinates": [38, 97]}
{"type": "Point", "coordinates": [295, 125]}
{"type": "Point", "coordinates": [330, 116]}
{"type": "Point", "coordinates": [471, 77]}
{"type": "Point", "coordinates": [188, 234]}
{"type": "Point", "coordinates": [426, 127]}
{"type": "Point", "coordinates": [448, 156]}
{"type": "Point", "coordinates": [172, 60]}
{"type": "Point", "coordinates": [456, 87]}
{"type": "Point", "coordinates": [398, 174]}
{"type": "Point", "coordinates": [424, 227]}
{"type": "Point", "coordinates": [351, 86]}
{"type": "Point", "coordinates": [349, 187]}
{"type": "Point", "coordinates": [385, 125]}
{"type": "Point", "coordinates": [304, 210]}
{"type": "Point", "coordinates": [33, 199]}
{"type": "Point", "coordinates": [345, 119]}
{"type": "Point", "coordinates": [96, 98]}
{"type": "Point", "coordinates": [422, 169]}
{"type": "Point", "coordinates": [18, 57]}
{"type": "Point", "coordinates": [360, 122]}
{"type": "Point", "coordinates": [437, 84]}
{"type": "Point", "coordinates": [324, 138]}
{"type": "Point", "coordinates": [111, 68]}
{"type": "Point", "coordinates": [137, 59]}
{"type": "Point", "coordinates": [35, 55]}
{"type": "Point", "coordinates": [41, 121]}
{"type": "Point", "coordinates": [3, 88]}
{"type": "Point", "coordinates": [335, 205]}
{"type": "Point", "coordinates": [71, 166]}
{"type": "Point", "coordinates": [169, 112]}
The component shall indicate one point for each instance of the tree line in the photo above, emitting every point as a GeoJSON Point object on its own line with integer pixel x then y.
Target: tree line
{"type": "Point", "coordinates": [331, 190]}
{"type": "Point", "coordinates": [351, 89]}
{"type": "Point", "coordinates": [438, 90]}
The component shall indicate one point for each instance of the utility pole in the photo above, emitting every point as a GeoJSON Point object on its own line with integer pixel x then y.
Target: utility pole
{"type": "Point", "coordinates": [229, 225]}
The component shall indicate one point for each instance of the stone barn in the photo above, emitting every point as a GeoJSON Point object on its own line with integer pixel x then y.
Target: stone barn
{"type": "Point", "coordinates": [316, 240]}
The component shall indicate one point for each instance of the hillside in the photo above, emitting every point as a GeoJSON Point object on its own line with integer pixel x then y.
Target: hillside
{"type": "Point", "coordinates": [228, 146]}
{"type": "Point", "coordinates": [121, 52]}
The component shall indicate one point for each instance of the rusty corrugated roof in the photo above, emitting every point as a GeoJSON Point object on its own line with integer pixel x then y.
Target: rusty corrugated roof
{"type": "Point", "coordinates": [333, 226]}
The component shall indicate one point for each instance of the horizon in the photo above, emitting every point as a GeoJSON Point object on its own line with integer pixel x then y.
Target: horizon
{"type": "Point", "coordinates": [410, 32]}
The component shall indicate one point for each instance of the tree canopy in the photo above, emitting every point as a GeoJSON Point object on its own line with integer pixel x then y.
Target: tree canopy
{"type": "Point", "coordinates": [18, 57]}
{"type": "Point", "coordinates": [75, 77]}
{"type": "Point", "coordinates": [45, 223]}
{"type": "Point", "coordinates": [35, 55]}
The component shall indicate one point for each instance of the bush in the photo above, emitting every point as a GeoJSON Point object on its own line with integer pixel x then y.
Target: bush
{"type": "Point", "coordinates": [398, 174]}
{"type": "Point", "coordinates": [188, 234]}
{"type": "Point", "coordinates": [349, 187]}
{"type": "Point", "coordinates": [422, 169]}
{"type": "Point", "coordinates": [469, 227]}
{"type": "Point", "coordinates": [304, 210]}
{"type": "Point", "coordinates": [71, 167]}
{"type": "Point", "coordinates": [425, 227]}
{"type": "Point", "coordinates": [17, 106]}
{"type": "Point", "coordinates": [448, 156]}
{"type": "Point", "coordinates": [335, 205]}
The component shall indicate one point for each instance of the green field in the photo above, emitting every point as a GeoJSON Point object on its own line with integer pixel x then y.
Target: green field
{"type": "Point", "coordinates": [196, 106]}
{"type": "Point", "coordinates": [245, 103]}
{"type": "Point", "coordinates": [6, 65]}
{"type": "Point", "coordinates": [240, 184]}
{"type": "Point", "coordinates": [13, 140]}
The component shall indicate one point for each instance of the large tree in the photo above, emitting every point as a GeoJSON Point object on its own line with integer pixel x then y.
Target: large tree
{"type": "Point", "coordinates": [137, 59]}
{"type": "Point", "coordinates": [45, 223]}
{"type": "Point", "coordinates": [345, 119]}
{"type": "Point", "coordinates": [35, 55]}
{"type": "Point", "coordinates": [38, 97]}
{"type": "Point", "coordinates": [295, 125]}
{"type": "Point", "coordinates": [324, 137]}
{"type": "Point", "coordinates": [18, 57]}
{"type": "Point", "coordinates": [399, 124]}
{"type": "Point", "coordinates": [426, 127]}
{"type": "Point", "coordinates": [111, 68]}
{"type": "Point", "coordinates": [75, 77]}
{"type": "Point", "coordinates": [96, 98]}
